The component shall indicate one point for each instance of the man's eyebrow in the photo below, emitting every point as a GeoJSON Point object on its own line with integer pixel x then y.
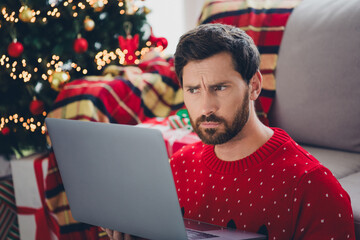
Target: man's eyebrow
{"type": "Point", "coordinates": [191, 86]}
{"type": "Point", "coordinates": [225, 82]}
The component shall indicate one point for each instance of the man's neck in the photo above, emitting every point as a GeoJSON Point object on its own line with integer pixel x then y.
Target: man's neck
{"type": "Point", "coordinates": [251, 138]}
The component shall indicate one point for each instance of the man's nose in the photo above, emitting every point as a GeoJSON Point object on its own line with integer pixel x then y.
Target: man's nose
{"type": "Point", "coordinates": [208, 104]}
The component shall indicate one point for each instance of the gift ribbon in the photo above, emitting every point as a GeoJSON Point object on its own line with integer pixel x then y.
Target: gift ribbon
{"type": "Point", "coordinates": [45, 222]}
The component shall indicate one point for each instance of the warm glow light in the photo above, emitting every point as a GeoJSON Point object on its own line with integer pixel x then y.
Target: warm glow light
{"type": "Point", "coordinates": [28, 124]}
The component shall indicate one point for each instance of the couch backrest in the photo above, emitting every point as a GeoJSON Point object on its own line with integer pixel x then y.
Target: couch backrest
{"type": "Point", "coordinates": [318, 75]}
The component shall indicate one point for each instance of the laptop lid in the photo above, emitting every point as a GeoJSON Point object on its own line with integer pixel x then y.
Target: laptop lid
{"type": "Point", "coordinates": [120, 172]}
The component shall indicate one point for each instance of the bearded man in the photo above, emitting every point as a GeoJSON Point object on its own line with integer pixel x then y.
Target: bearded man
{"type": "Point", "coordinates": [244, 174]}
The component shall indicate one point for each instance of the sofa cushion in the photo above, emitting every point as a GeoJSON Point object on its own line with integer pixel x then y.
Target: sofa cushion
{"type": "Point", "coordinates": [351, 185]}
{"type": "Point", "coordinates": [340, 163]}
{"type": "Point", "coordinates": [318, 92]}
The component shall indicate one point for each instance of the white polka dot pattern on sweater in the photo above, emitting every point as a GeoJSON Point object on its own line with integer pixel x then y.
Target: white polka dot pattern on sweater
{"type": "Point", "coordinates": [225, 193]}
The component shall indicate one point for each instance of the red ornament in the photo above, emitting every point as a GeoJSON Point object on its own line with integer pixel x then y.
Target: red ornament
{"type": "Point", "coordinates": [162, 42]}
{"type": "Point", "coordinates": [158, 41]}
{"type": "Point", "coordinates": [5, 131]}
{"type": "Point", "coordinates": [15, 49]}
{"type": "Point", "coordinates": [80, 45]}
{"type": "Point", "coordinates": [130, 44]}
{"type": "Point", "coordinates": [37, 107]}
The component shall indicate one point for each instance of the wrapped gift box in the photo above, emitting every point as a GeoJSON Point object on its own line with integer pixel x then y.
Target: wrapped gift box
{"type": "Point", "coordinates": [175, 138]}
{"type": "Point", "coordinates": [34, 218]}
{"type": "Point", "coordinates": [8, 221]}
{"type": "Point", "coordinates": [5, 170]}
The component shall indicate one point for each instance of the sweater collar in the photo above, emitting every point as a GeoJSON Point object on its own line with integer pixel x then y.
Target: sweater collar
{"type": "Point", "coordinates": [213, 162]}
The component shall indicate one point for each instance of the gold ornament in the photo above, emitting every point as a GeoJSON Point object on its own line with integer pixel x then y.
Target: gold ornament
{"type": "Point", "coordinates": [89, 24]}
{"type": "Point", "coordinates": [146, 10]}
{"type": "Point", "coordinates": [58, 80]}
{"type": "Point", "coordinates": [26, 14]}
{"type": "Point", "coordinates": [98, 6]}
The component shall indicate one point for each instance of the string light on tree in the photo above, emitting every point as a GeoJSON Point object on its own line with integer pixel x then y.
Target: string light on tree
{"type": "Point", "coordinates": [53, 13]}
{"type": "Point", "coordinates": [9, 17]}
{"type": "Point", "coordinates": [28, 124]}
{"type": "Point", "coordinates": [104, 58]}
{"type": "Point", "coordinates": [44, 29]}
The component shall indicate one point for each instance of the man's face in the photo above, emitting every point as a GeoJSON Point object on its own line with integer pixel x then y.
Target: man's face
{"type": "Point", "coordinates": [216, 97]}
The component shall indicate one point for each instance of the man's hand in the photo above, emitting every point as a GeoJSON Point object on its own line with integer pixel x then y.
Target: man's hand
{"type": "Point", "coordinates": [115, 235]}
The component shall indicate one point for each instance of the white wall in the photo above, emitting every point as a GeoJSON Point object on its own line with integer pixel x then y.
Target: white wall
{"type": "Point", "coordinates": [172, 18]}
{"type": "Point", "coordinates": [192, 12]}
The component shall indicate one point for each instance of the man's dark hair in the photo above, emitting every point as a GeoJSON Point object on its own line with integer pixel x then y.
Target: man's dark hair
{"type": "Point", "coordinates": [209, 39]}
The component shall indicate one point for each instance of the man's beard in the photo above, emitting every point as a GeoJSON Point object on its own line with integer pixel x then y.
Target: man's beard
{"type": "Point", "coordinates": [213, 136]}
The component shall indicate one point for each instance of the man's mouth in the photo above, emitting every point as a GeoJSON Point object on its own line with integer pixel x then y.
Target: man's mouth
{"type": "Point", "coordinates": [210, 124]}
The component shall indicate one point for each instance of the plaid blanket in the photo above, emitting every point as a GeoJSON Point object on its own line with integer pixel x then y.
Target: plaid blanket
{"type": "Point", "coordinates": [127, 95]}
{"type": "Point", "coordinates": [265, 22]}
{"type": "Point", "coordinates": [9, 226]}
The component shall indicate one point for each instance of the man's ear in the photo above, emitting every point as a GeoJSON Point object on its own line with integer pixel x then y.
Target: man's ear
{"type": "Point", "coordinates": [255, 86]}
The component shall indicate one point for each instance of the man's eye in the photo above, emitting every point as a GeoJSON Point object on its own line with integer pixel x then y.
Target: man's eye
{"type": "Point", "coordinates": [219, 88]}
{"type": "Point", "coordinates": [193, 90]}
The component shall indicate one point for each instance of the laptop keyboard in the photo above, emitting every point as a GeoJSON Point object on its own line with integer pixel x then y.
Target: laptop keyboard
{"type": "Point", "coordinates": [194, 235]}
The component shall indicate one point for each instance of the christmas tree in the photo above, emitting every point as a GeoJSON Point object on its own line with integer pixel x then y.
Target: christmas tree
{"type": "Point", "coordinates": [47, 43]}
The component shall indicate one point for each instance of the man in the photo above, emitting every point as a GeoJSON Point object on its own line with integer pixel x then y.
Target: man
{"type": "Point", "coordinates": [244, 174]}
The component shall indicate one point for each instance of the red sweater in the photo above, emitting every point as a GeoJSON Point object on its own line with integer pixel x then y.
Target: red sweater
{"type": "Point", "coordinates": [280, 190]}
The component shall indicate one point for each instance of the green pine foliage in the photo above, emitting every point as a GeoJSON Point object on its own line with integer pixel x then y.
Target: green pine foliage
{"type": "Point", "coordinates": [44, 39]}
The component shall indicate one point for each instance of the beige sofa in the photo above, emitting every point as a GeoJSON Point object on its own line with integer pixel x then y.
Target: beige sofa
{"type": "Point", "coordinates": [318, 87]}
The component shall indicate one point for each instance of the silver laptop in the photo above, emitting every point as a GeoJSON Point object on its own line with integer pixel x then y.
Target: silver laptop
{"type": "Point", "coordinates": [119, 177]}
